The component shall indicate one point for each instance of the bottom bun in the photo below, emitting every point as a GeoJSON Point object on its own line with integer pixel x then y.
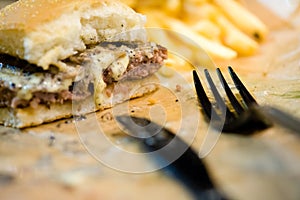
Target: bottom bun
{"type": "Point", "coordinates": [114, 94]}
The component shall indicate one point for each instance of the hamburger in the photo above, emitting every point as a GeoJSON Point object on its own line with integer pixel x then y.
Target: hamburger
{"type": "Point", "coordinates": [57, 52]}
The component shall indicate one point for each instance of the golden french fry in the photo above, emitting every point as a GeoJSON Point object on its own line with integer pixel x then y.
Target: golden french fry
{"type": "Point", "coordinates": [191, 6]}
{"type": "Point", "coordinates": [208, 29]}
{"type": "Point", "coordinates": [172, 7]}
{"type": "Point", "coordinates": [211, 47]}
{"type": "Point", "coordinates": [235, 39]}
{"type": "Point", "coordinates": [180, 44]}
{"type": "Point", "coordinates": [196, 2]}
{"type": "Point", "coordinates": [130, 3]}
{"type": "Point", "coordinates": [194, 14]}
{"type": "Point", "coordinates": [223, 28]}
{"type": "Point", "coordinates": [148, 4]}
{"type": "Point", "coordinates": [243, 19]}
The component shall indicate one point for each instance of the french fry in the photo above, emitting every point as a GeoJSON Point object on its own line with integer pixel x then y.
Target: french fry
{"type": "Point", "coordinates": [196, 2]}
{"type": "Point", "coordinates": [173, 7]}
{"type": "Point", "coordinates": [208, 29]}
{"type": "Point", "coordinates": [243, 19]}
{"type": "Point", "coordinates": [158, 32]}
{"type": "Point", "coordinates": [235, 39]}
{"type": "Point", "coordinates": [194, 14]}
{"type": "Point", "coordinates": [131, 3]}
{"type": "Point", "coordinates": [223, 28]}
{"type": "Point", "coordinates": [212, 48]}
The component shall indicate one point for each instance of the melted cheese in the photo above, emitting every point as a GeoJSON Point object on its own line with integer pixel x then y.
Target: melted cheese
{"type": "Point", "coordinates": [27, 84]}
{"type": "Point", "coordinates": [117, 61]}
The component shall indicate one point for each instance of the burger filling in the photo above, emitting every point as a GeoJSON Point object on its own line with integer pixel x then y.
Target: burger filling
{"type": "Point", "coordinates": [25, 85]}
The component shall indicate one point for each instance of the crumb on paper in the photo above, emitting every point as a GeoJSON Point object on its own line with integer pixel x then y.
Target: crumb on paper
{"type": "Point", "coordinates": [106, 117]}
{"type": "Point", "coordinates": [51, 140]}
{"type": "Point", "coordinates": [136, 109]}
{"type": "Point", "coordinates": [265, 74]}
{"type": "Point", "coordinates": [79, 117]}
{"type": "Point", "coordinates": [108, 93]}
{"type": "Point", "coordinates": [151, 101]}
{"type": "Point", "coordinates": [178, 88]}
{"type": "Point", "coordinates": [69, 121]}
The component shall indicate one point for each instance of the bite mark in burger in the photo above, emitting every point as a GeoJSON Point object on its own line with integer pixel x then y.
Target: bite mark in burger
{"type": "Point", "coordinates": [53, 53]}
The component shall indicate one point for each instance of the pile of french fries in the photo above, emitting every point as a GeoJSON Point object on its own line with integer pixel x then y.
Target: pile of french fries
{"type": "Point", "coordinates": [225, 29]}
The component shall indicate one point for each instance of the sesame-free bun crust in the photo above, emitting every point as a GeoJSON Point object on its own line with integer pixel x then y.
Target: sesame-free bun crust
{"type": "Point", "coordinates": [44, 32]}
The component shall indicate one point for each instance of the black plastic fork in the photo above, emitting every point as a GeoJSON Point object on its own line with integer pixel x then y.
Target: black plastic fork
{"type": "Point", "coordinates": [230, 114]}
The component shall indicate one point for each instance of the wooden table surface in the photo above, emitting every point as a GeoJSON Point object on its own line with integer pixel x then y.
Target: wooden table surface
{"type": "Point", "coordinates": [66, 160]}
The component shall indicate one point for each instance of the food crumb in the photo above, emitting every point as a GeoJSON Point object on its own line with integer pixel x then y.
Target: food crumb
{"type": "Point", "coordinates": [178, 88]}
{"type": "Point", "coordinates": [79, 117]}
{"type": "Point", "coordinates": [106, 117]}
{"type": "Point", "coordinates": [51, 140]}
{"type": "Point", "coordinates": [108, 93]}
{"type": "Point", "coordinates": [151, 101]}
{"type": "Point", "coordinates": [265, 74]}
{"type": "Point", "coordinates": [68, 121]}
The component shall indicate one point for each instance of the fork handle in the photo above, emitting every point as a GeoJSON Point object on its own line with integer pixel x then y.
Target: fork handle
{"type": "Point", "coordinates": [280, 117]}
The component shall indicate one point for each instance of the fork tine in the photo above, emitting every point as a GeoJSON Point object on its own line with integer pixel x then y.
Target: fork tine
{"type": "Point", "coordinates": [202, 97]}
{"type": "Point", "coordinates": [219, 100]}
{"type": "Point", "coordinates": [234, 102]}
{"type": "Point", "coordinates": [247, 97]}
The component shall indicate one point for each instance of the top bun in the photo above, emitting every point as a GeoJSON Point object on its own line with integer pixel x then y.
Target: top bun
{"type": "Point", "coordinates": [44, 32]}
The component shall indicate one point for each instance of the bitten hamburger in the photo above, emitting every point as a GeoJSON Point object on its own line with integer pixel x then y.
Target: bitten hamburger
{"type": "Point", "coordinates": [55, 52]}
